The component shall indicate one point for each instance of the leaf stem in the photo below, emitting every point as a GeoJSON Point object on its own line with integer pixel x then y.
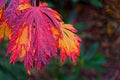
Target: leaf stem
{"type": "Point", "coordinates": [37, 2]}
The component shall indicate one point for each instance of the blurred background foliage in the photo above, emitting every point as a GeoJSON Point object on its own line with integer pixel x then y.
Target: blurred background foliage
{"type": "Point", "coordinates": [97, 22]}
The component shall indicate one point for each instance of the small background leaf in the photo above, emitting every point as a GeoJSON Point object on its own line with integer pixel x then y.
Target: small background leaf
{"type": "Point", "coordinates": [91, 51]}
{"type": "Point", "coordinates": [96, 3]}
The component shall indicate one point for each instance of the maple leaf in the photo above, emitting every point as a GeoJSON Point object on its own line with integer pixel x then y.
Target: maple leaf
{"type": "Point", "coordinates": [70, 43]}
{"type": "Point", "coordinates": [37, 34]}
{"type": "Point", "coordinates": [32, 37]}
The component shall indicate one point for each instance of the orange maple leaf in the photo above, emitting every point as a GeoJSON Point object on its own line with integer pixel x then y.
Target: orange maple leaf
{"type": "Point", "coordinates": [70, 43]}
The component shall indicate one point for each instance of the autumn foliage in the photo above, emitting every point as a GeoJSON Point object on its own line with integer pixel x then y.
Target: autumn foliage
{"type": "Point", "coordinates": [36, 34]}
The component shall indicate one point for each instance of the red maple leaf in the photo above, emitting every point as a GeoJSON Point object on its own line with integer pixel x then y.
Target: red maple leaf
{"type": "Point", "coordinates": [32, 37]}
{"type": "Point", "coordinates": [36, 34]}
